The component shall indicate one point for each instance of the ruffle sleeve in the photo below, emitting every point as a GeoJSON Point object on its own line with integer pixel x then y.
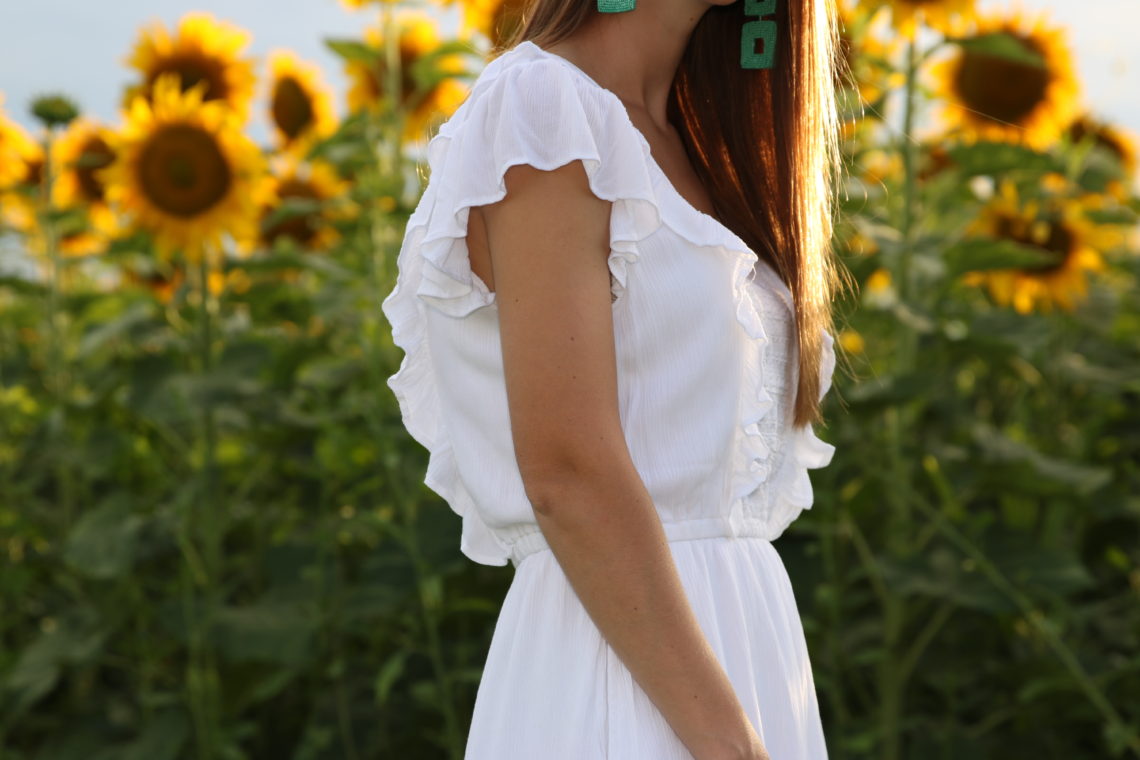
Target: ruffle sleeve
{"type": "Point", "coordinates": [538, 113]}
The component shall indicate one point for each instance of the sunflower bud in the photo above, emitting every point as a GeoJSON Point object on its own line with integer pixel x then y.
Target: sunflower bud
{"type": "Point", "coordinates": [54, 110]}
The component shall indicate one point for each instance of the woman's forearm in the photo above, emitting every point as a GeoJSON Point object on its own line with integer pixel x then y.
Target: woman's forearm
{"type": "Point", "coordinates": [604, 531]}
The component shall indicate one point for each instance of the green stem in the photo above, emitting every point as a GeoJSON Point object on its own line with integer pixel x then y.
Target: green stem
{"type": "Point", "coordinates": [201, 570]}
{"type": "Point", "coordinates": [211, 507]}
{"type": "Point", "coordinates": [389, 160]}
{"type": "Point", "coordinates": [57, 381]}
{"type": "Point", "coordinates": [892, 677]}
{"type": "Point", "coordinates": [214, 510]}
{"type": "Point", "coordinates": [430, 620]}
{"type": "Point", "coordinates": [833, 610]}
{"type": "Point", "coordinates": [909, 179]}
{"type": "Point", "coordinates": [889, 699]}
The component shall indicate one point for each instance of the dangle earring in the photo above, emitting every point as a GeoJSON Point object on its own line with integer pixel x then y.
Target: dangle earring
{"type": "Point", "coordinates": [763, 29]}
{"type": "Point", "coordinates": [759, 29]}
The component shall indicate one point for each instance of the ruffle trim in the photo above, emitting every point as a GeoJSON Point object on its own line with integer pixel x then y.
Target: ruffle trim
{"type": "Point", "coordinates": [433, 270]}
{"type": "Point", "coordinates": [790, 488]}
{"type": "Point", "coordinates": [415, 389]}
{"type": "Point", "coordinates": [758, 474]}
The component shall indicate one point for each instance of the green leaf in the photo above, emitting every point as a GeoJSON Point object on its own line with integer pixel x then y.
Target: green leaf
{"type": "Point", "coordinates": [1116, 216]}
{"type": "Point", "coordinates": [275, 631]}
{"type": "Point", "coordinates": [40, 664]}
{"type": "Point", "coordinates": [1000, 45]}
{"type": "Point", "coordinates": [353, 50]}
{"type": "Point", "coordinates": [162, 738]}
{"type": "Point", "coordinates": [292, 208]}
{"type": "Point", "coordinates": [995, 158]}
{"type": "Point", "coordinates": [941, 574]}
{"type": "Point", "coordinates": [330, 371]}
{"type": "Point", "coordinates": [891, 390]}
{"type": "Point", "coordinates": [389, 673]}
{"type": "Point", "coordinates": [115, 329]}
{"type": "Point", "coordinates": [997, 448]}
{"type": "Point", "coordinates": [1035, 568]}
{"type": "Point", "coordinates": [103, 543]}
{"type": "Point", "coordinates": [976, 254]}
{"type": "Point", "coordinates": [22, 286]}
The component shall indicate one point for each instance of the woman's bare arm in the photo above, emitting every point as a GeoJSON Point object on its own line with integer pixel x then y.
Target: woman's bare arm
{"type": "Point", "coordinates": [549, 241]}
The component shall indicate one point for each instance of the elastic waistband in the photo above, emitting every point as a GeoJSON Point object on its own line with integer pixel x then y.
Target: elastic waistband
{"type": "Point", "coordinates": [675, 530]}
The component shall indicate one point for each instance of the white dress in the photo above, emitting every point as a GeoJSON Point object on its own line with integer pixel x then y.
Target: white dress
{"type": "Point", "coordinates": [706, 369]}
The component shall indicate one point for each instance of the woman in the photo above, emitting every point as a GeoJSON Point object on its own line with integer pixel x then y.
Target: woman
{"type": "Point", "coordinates": [613, 298]}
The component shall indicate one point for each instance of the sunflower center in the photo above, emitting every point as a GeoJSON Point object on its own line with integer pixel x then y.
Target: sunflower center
{"type": "Point", "coordinates": [95, 155]}
{"type": "Point", "coordinates": [35, 174]}
{"type": "Point", "coordinates": [1056, 240]}
{"type": "Point", "coordinates": [182, 170]}
{"type": "Point", "coordinates": [1082, 128]}
{"type": "Point", "coordinates": [377, 78]}
{"type": "Point", "coordinates": [292, 107]}
{"type": "Point", "coordinates": [300, 227]}
{"type": "Point", "coordinates": [1002, 89]}
{"type": "Point", "coordinates": [191, 70]}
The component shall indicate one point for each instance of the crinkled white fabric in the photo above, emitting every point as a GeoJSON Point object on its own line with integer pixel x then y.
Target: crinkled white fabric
{"type": "Point", "coordinates": [553, 688]}
{"type": "Point", "coordinates": [706, 367]}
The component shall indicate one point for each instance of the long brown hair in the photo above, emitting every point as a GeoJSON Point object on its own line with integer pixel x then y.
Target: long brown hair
{"type": "Point", "coordinates": [765, 143]}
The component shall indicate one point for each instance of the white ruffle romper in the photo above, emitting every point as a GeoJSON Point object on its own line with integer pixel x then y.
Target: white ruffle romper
{"type": "Point", "coordinates": [705, 373]}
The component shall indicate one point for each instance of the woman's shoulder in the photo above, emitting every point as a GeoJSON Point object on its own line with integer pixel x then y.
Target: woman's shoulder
{"type": "Point", "coordinates": [530, 85]}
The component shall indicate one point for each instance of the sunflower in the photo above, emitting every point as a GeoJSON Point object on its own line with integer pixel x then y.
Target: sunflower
{"type": "Point", "coordinates": [852, 341]}
{"type": "Point", "coordinates": [947, 16]}
{"type": "Point", "coordinates": [934, 160]}
{"type": "Point", "coordinates": [18, 152]}
{"type": "Point", "coordinates": [162, 283]}
{"type": "Point", "coordinates": [994, 97]}
{"type": "Point", "coordinates": [1057, 226]}
{"type": "Point", "coordinates": [204, 50]}
{"type": "Point", "coordinates": [21, 163]}
{"type": "Point", "coordinates": [74, 238]}
{"type": "Point", "coordinates": [314, 186]}
{"type": "Point", "coordinates": [866, 69]}
{"type": "Point", "coordinates": [879, 166]}
{"type": "Point", "coordinates": [1118, 143]}
{"type": "Point", "coordinates": [184, 170]}
{"type": "Point", "coordinates": [496, 20]}
{"type": "Point", "coordinates": [78, 155]}
{"type": "Point", "coordinates": [300, 105]}
{"type": "Point", "coordinates": [418, 37]}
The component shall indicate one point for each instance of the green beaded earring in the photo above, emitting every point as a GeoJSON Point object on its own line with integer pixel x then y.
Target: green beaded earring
{"type": "Point", "coordinates": [759, 28]}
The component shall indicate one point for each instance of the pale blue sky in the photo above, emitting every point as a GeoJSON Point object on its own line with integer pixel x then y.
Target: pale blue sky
{"type": "Point", "coordinates": [78, 46]}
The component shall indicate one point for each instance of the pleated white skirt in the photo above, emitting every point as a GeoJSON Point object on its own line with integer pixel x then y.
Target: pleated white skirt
{"type": "Point", "coordinates": [552, 688]}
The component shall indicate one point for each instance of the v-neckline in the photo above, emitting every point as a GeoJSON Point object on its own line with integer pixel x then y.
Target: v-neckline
{"type": "Point", "coordinates": [736, 240]}
{"type": "Point", "coordinates": [648, 149]}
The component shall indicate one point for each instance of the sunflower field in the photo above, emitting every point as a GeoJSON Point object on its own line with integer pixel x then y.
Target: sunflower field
{"type": "Point", "coordinates": [215, 537]}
